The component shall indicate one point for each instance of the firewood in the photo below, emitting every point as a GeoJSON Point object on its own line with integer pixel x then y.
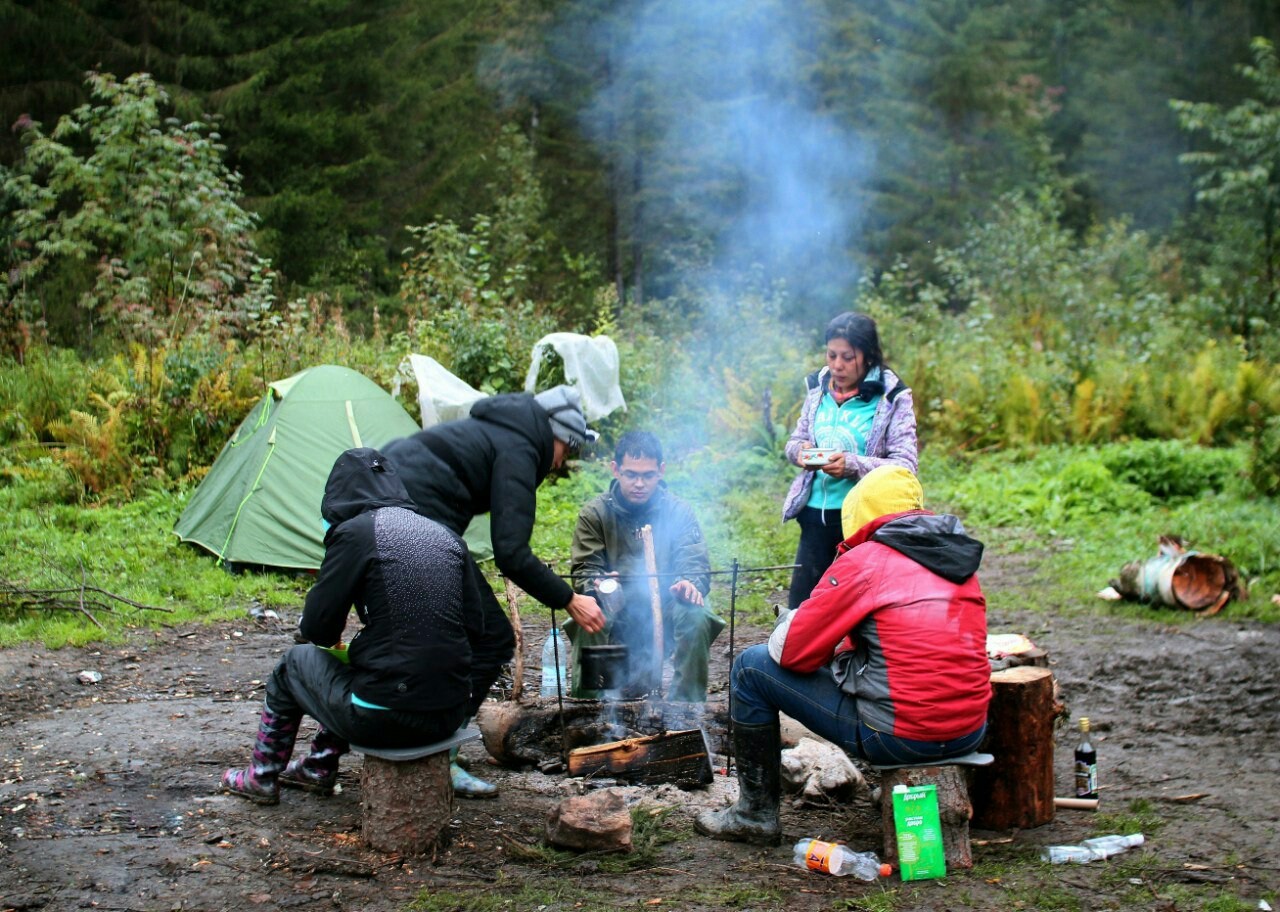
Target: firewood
{"type": "Point", "coordinates": [528, 733]}
{"type": "Point", "coordinates": [681, 758]}
{"type": "Point", "coordinates": [655, 604]}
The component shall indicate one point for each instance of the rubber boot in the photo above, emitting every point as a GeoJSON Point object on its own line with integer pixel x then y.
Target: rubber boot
{"type": "Point", "coordinates": [259, 781]}
{"type": "Point", "coordinates": [466, 785]}
{"type": "Point", "coordinates": [754, 817]}
{"type": "Point", "coordinates": [318, 771]}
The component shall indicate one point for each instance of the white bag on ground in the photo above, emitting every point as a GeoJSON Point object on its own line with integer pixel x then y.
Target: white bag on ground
{"type": "Point", "coordinates": [819, 772]}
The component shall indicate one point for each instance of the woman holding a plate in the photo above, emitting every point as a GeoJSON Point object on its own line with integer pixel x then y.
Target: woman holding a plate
{"type": "Point", "coordinates": [858, 415]}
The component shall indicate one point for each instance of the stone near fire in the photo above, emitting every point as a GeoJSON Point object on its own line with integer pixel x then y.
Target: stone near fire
{"type": "Point", "coordinates": [598, 822]}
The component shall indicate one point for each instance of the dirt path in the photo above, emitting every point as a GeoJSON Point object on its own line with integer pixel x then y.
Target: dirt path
{"type": "Point", "coordinates": [107, 793]}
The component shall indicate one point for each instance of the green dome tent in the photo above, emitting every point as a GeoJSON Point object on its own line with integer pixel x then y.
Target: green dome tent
{"type": "Point", "coordinates": [260, 503]}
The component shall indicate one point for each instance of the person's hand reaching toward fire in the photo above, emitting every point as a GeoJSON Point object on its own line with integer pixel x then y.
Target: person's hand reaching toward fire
{"type": "Point", "coordinates": [585, 610]}
{"type": "Point", "coordinates": [683, 589]}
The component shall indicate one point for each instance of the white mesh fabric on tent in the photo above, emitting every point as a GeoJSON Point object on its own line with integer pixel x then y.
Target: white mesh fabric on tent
{"type": "Point", "coordinates": [590, 364]}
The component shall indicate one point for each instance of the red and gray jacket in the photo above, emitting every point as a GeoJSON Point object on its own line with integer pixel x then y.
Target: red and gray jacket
{"type": "Point", "coordinates": [901, 621]}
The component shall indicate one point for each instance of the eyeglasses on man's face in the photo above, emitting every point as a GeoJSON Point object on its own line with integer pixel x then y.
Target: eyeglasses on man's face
{"type": "Point", "coordinates": [646, 478]}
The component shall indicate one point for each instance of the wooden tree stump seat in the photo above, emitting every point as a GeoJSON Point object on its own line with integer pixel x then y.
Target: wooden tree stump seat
{"type": "Point", "coordinates": [406, 797]}
{"type": "Point", "coordinates": [954, 808]}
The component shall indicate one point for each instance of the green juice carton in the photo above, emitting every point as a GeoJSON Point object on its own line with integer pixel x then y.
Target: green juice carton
{"type": "Point", "coordinates": [915, 815]}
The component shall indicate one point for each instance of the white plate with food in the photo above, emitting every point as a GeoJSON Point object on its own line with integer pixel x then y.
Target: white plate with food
{"type": "Point", "coordinates": [818, 456]}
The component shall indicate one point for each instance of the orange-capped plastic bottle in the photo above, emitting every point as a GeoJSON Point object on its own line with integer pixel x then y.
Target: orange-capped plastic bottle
{"type": "Point", "coordinates": [840, 860]}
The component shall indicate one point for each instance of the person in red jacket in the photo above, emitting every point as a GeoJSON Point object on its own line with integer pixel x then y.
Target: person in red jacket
{"type": "Point", "coordinates": [886, 658]}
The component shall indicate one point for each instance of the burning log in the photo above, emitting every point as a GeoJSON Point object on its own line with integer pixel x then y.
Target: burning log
{"type": "Point", "coordinates": [681, 758]}
{"type": "Point", "coordinates": [528, 733]}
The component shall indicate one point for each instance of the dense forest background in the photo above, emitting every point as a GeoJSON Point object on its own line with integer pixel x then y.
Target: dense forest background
{"type": "Point", "coordinates": [1063, 213]}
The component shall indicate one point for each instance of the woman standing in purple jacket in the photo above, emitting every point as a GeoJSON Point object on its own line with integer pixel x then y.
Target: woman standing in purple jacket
{"type": "Point", "coordinates": [862, 411]}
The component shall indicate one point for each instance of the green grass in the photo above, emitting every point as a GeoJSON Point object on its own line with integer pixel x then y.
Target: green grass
{"type": "Point", "coordinates": [128, 550]}
{"type": "Point", "coordinates": [1081, 520]}
{"type": "Point", "coordinates": [1139, 817]}
{"type": "Point", "coordinates": [1085, 521]}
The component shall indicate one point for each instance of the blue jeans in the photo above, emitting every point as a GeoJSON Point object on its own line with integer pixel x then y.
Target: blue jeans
{"type": "Point", "coordinates": [762, 688]}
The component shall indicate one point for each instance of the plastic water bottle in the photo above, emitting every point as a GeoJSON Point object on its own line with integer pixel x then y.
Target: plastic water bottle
{"type": "Point", "coordinates": [554, 647]}
{"type": "Point", "coordinates": [1106, 846]}
{"type": "Point", "coordinates": [837, 859]}
{"type": "Point", "coordinates": [1091, 849]}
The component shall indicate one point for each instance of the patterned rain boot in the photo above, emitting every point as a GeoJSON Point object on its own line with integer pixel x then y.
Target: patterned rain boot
{"type": "Point", "coordinates": [318, 771]}
{"type": "Point", "coordinates": [754, 817]}
{"type": "Point", "coordinates": [259, 780]}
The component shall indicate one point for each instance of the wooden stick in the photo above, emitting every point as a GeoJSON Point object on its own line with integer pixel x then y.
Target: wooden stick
{"type": "Point", "coordinates": [517, 673]}
{"type": "Point", "coordinates": [1079, 804]}
{"type": "Point", "coordinates": [655, 603]}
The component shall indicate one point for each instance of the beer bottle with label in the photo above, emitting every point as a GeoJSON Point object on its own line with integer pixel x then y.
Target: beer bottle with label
{"type": "Point", "coordinates": [1086, 764]}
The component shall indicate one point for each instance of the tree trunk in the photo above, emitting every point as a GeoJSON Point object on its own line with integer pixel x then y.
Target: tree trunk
{"type": "Point", "coordinates": [954, 810]}
{"type": "Point", "coordinates": [405, 804]}
{"type": "Point", "coordinates": [1016, 791]}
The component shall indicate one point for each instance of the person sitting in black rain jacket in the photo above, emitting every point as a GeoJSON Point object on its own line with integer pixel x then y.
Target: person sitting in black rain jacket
{"type": "Point", "coordinates": [492, 462]}
{"type": "Point", "coordinates": [407, 677]}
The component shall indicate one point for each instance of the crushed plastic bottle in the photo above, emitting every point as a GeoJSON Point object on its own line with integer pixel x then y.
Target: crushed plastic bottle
{"type": "Point", "coordinates": [1094, 849]}
{"type": "Point", "coordinates": [1106, 846]}
{"type": "Point", "coordinates": [839, 860]}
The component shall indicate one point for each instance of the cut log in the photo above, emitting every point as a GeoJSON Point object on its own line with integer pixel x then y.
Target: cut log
{"type": "Point", "coordinates": [655, 605]}
{"type": "Point", "coordinates": [1017, 790]}
{"type": "Point", "coordinates": [680, 758]}
{"type": "Point", "coordinates": [528, 733]}
{"type": "Point", "coordinates": [954, 810]}
{"type": "Point", "coordinates": [405, 804]}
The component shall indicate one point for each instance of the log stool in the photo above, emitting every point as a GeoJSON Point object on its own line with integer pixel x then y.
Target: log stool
{"type": "Point", "coordinates": [954, 809]}
{"type": "Point", "coordinates": [406, 798]}
{"type": "Point", "coordinates": [1017, 791]}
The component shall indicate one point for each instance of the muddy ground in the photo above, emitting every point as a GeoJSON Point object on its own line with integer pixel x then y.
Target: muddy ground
{"type": "Point", "coordinates": [107, 792]}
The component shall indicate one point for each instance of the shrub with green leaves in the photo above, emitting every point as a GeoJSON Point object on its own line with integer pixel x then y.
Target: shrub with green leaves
{"type": "Point", "coordinates": [1168, 468]}
{"type": "Point", "coordinates": [131, 215]}
{"type": "Point", "coordinates": [1264, 458]}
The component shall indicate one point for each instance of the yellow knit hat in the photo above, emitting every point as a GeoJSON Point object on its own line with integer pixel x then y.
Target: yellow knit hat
{"type": "Point", "coordinates": [884, 490]}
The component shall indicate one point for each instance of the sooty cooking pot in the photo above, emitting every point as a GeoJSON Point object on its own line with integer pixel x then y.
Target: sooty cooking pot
{"type": "Point", "coordinates": [603, 667]}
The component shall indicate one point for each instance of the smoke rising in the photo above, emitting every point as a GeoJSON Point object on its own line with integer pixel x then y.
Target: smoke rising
{"type": "Point", "coordinates": [725, 162]}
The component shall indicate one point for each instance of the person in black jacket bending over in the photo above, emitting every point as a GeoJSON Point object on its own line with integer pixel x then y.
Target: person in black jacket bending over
{"type": "Point", "coordinates": [492, 462]}
{"type": "Point", "coordinates": [408, 677]}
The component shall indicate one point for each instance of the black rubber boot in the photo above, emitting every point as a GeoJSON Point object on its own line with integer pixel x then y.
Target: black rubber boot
{"type": "Point", "coordinates": [318, 771]}
{"type": "Point", "coordinates": [259, 780]}
{"type": "Point", "coordinates": [754, 817]}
